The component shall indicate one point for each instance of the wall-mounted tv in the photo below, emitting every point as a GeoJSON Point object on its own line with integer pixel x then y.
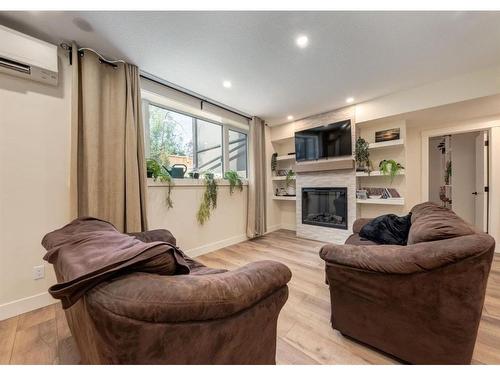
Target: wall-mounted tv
{"type": "Point", "coordinates": [328, 141]}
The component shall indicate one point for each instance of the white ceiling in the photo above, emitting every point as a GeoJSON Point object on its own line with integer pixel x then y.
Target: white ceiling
{"type": "Point", "coordinates": [359, 54]}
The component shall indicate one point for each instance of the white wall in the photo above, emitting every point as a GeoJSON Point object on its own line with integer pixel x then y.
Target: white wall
{"type": "Point", "coordinates": [34, 192]}
{"type": "Point", "coordinates": [227, 223]}
{"type": "Point", "coordinates": [34, 182]}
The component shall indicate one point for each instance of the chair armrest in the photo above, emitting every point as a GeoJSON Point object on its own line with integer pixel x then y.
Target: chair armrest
{"type": "Point", "coordinates": [419, 257]}
{"type": "Point", "coordinates": [156, 298]}
{"type": "Point", "coordinates": [154, 235]}
{"type": "Point", "coordinates": [164, 235]}
{"type": "Point", "coordinates": [359, 223]}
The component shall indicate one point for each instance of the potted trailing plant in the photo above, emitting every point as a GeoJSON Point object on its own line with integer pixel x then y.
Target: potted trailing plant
{"type": "Point", "coordinates": [153, 169]}
{"type": "Point", "coordinates": [390, 168]}
{"type": "Point", "coordinates": [290, 188]}
{"type": "Point", "coordinates": [274, 162]}
{"type": "Point", "coordinates": [362, 155]}
{"type": "Point", "coordinates": [234, 181]}
{"type": "Point", "coordinates": [209, 201]}
{"type": "Point", "coordinates": [157, 172]}
{"type": "Point", "coordinates": [447, 175]}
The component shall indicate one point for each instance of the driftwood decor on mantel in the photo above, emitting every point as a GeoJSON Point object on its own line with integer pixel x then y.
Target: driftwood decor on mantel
{"type": "Point", "coordinates": [324, 165]}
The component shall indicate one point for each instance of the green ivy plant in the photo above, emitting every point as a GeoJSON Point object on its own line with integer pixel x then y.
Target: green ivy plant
{"type": "Point", "coordinates": [158, 173]}
{"type": "Point", "coordinates": [447, 176]}
{"type": "Point", "coordinates": [274, 162]}
{"type": "Point", "coordinates": [209, 201]}
{"type": "Point", "coordinates": [362, 154]}
{"type": "Point", "coordinates": [390, 168]}
{"type": "Point", "coordinates": [289, 177]}
{"type": "Point", "coordinates": [234, 181]}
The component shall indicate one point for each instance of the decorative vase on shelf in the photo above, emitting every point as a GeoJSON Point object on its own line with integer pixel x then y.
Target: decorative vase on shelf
{"type": "Point", "coordinates": [290, 190]}
{"type": "Point", "coordinates": [361, 167]}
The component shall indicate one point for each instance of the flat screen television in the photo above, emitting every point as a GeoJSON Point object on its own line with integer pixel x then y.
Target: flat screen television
{"type": "Point", "coordinates": [328, 141]}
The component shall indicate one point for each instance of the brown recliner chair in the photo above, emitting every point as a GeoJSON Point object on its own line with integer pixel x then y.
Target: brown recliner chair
{"type": "Point", "coordinates": [421, 303]}
{"type": "Point", "coordinates": [210, 316]}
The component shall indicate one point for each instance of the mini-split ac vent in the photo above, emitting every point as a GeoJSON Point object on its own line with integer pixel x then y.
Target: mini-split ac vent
{"type": "Point", "coordinates": [27, 57]}
{"type": "Point", "coordinates": [9, 64]}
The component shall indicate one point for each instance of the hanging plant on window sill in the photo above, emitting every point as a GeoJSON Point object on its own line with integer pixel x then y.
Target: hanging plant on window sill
{"type": "Point", "coordinates": [159, 173]}
{"type": "Point", "coordinates": [209, 201]}
{"type": "Point", "coordinates": [234, 180]}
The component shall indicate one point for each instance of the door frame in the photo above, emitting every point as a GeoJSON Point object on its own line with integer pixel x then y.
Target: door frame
{"type": "Point", "coordinates": [493, 178]}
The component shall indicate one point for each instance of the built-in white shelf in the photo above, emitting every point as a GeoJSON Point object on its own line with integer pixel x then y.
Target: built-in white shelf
{"type": "Point", "coordinates": [386, 144]}
{"type": "Point", "coordinates": [286, 157]}
{"type": "Point", "coordinates": [282, 178]}
{"type": "Point", "coordinates": [283, 140]}
{"type": "Point", "coordinates": [377, 173]}
{"type": "Point", "coordinates": [388, 201]}
{"type": "Point", "coordinates": [285, 197]}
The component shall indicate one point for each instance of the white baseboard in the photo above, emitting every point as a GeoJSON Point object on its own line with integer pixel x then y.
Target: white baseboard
{"type": "Point", "coordinates": [208, 248]}
{"type": "Point", "coordinates": [288, 226]}
{"type": "Point", "coordinates": [273, 228]}
{"type": "Point", "coordinates": [276, 227]}
{"type": "Point", "coordinates": [23, 305]}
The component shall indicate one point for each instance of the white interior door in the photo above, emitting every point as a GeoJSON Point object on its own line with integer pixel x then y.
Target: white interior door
{"type": "Point", "coordinates": [481, 197]}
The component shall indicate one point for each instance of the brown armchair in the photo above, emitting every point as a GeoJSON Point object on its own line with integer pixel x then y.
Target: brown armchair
{"type": "Point", "coordinates": [421, 303]}
{"type": "Point", "coordinates": [207, 317]}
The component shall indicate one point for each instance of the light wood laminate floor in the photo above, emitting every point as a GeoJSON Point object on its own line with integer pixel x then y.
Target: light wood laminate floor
{"type": "Point", "coordinates": [304, 332]}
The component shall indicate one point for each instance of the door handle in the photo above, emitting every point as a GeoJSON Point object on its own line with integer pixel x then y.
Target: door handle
{"type": "Point", "coordinates": [475, 193]}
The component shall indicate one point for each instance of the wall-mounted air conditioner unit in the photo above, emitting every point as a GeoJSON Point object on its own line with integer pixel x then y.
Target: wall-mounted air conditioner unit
{"type": "Point", "coordinates": [24, 56]}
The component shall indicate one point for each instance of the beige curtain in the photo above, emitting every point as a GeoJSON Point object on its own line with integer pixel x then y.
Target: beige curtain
{"type": "Point", "coordinates": [256, 213]}
{"type": "Point", "coordinates": [108, 145]}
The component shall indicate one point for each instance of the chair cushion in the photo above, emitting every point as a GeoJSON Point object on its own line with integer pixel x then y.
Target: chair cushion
{"type": "Point", "coordinates": [387, 229]}
{"type": "Point", "coordinates": [431, 222]}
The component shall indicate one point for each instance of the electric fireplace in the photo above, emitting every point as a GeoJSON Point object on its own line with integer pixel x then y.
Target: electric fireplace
{"type": "Point", "coordinates": [324, 206]}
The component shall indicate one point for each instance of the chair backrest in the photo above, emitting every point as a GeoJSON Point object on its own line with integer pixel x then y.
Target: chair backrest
{"type": "Point", "coordinates": [431, 222]}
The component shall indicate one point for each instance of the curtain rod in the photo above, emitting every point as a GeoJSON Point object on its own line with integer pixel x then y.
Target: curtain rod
{"type": "Point", "coordinates": [159, 81]}
{"type": "Point", "coordinates": [102, 59]}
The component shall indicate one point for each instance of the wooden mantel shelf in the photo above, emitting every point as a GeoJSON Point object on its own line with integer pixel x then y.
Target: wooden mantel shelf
{"type": "Point", "coordinates": [324, 165]}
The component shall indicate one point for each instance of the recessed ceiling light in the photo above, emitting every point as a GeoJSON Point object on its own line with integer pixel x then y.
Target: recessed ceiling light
{"type": "Point", "coordinates": [226, 84]}
{"type": "Point", "coordinates": [349, 99]}
{"type": "Point", "coordinates": [290, 118]}
{"type": "Point", "coordinates": [302, 41]}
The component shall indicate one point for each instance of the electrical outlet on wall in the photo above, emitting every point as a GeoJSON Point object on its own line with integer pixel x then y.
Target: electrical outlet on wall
{"type": "Point", "coordinates": [38, 272]}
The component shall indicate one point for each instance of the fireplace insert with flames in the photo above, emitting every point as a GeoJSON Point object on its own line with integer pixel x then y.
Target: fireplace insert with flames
{"type": "Point", "coordinates": [325, 207]}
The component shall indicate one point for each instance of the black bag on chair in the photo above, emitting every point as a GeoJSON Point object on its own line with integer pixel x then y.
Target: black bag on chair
{"type": "Point", "coordinates": [388, 229]}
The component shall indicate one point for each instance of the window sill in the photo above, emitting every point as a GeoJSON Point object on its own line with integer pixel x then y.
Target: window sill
{"type": "Point", "coordinates": [193, 182]}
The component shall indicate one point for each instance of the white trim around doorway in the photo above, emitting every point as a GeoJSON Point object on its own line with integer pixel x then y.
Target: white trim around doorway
{"type": "Point", "coordinates": [493, 129]}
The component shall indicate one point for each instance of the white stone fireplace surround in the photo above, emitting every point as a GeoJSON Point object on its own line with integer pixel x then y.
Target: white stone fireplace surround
{"type": "Point", "coordinates": [333, 178]}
